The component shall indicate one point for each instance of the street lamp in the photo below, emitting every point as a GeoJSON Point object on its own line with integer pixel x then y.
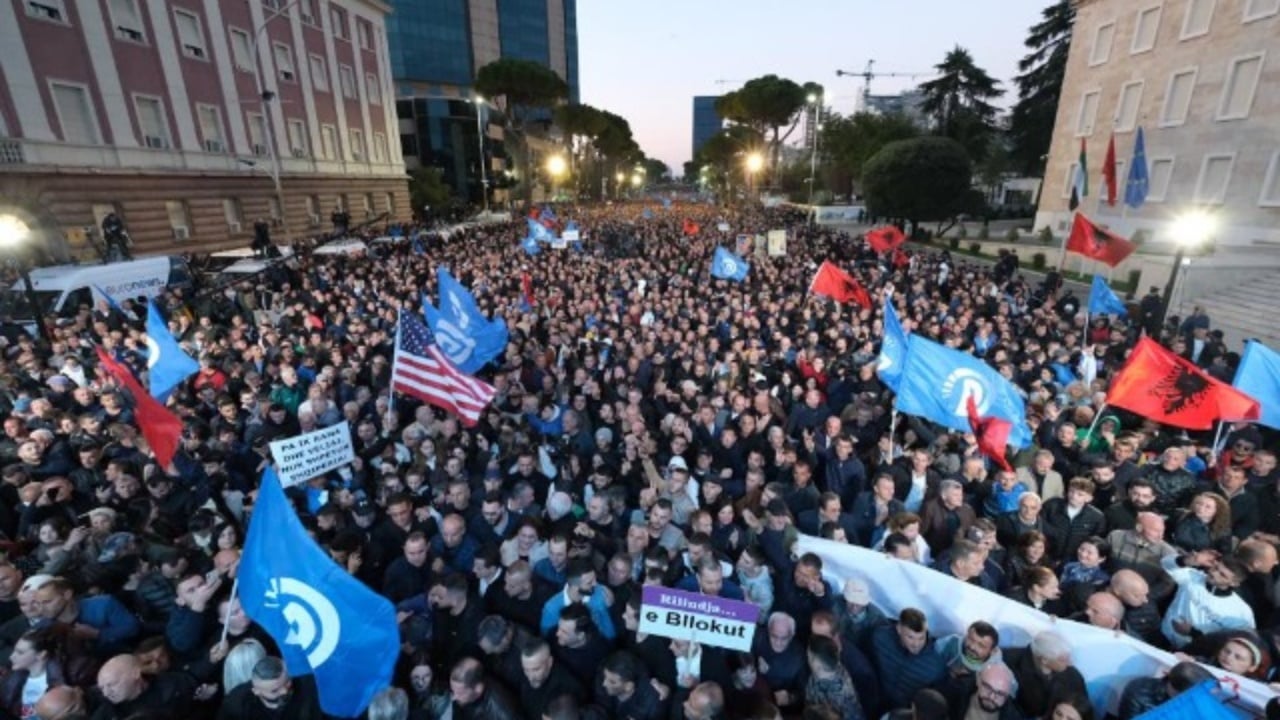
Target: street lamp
{"type": "Point", "coordinates": [13, 233]}
{"type": "Point", "coordinates": [1189, 230]}
{"type": "Point", "coordinates": [484, 178]}
{"type": "Point", "coordinates": [755, 162]}
{"type": "Point", "coordinates": [619, 179]}
{"type": "Point", "coordinates": [556, 167]}
{"type": "Point", "coordinates": [816, 100]}
{"type": "Point", "coordinates": [636, 180]}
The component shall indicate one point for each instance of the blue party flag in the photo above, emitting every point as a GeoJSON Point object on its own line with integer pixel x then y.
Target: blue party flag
{"type": "Point", "coordinates": [1103, 300]}
{"type": "Point", "coordinates": [466, 336]}
{"type": "Point", "coordinates": [167, 364]}
{"type": "Point", "coordinates": [727, 266]}
{"type": "Point", "coordinates": [1259, 377]}
{"type": "Point", "coordinates": [893, 348]}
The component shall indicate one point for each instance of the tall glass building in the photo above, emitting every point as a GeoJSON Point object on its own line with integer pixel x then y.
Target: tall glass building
{"type": "Point", "coordinates": [438, 46]}
{"type": "Point", "coordinates": [706, 121]}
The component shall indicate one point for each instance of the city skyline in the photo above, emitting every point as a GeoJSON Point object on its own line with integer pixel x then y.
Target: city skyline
{"type": "Point", "coordinates": [647, 69]}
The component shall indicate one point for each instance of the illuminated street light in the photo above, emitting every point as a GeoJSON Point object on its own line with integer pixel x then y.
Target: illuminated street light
{"type": "Point", "coordinates": [1190, 229]}
{"type": "Point", "coordinates": [14, 233]}
{"type": "Point", "coordinates": [755, 162]}
{"type": "Point", "coordinates": [637, 180]}
{"type": "Point", "coordinates": [557, 166]}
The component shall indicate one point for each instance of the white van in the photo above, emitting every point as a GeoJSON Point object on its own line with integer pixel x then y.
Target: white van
{"type": "Point", "coordinates": [62, 289]}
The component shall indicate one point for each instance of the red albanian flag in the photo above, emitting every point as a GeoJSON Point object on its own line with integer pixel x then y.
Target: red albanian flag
{"type": "Point", "coordinates": [159, 426]}
{"type": "Point", "coordinates": [992, 434]}
{"type": "Point", "coordinates": [690, 227]}
{"type": "Point", "coordinates": [839, 286]}
{"type": "Point", "coordinates": [1159, 385]}
{"type": "Point", "coordinates": [1093, 242]}
{"type": "Point", "coordinates": [884, 239]}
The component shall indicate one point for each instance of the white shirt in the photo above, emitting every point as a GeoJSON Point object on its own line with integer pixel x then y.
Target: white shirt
{"type": "Point", "coordinates": [1195, 603]}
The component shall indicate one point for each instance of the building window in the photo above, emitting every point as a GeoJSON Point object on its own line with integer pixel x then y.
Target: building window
{"type": "Point", "coordinates": [258, 134]}
{"type": "Point", "coordinates": [284, 63]}
{"type": "Point", "coordinates": [389, 203]}
{"type": "Point", "coordinates": [241, 49]}
{"type": "Point", "coordinates": [313, 210]}
{"type": "Point", "coordinates": [1215, 176]}
{"type": "Point", "coordinates": [211, 128]}
{"type": "Point", "coordinates": [364, 34]}
{"type": "Point", "coordinates": [1088, 113]}
{"type": "Point", "coordinates": [1270, 196]}
{"type": "Point", "coordinates": [1146, 30]}
{"type": "Point", "coordinates": [1198, 19]}
{"type": "Point", "coordinates": [179, 218]}
{"type": "Point", "coordinates": [368, 204]}
{"type": "Point", "coordinates": [1069, 181]}
{"type": "Point", "coordinates": [371, 89]}
{"type": "Point", "coordinates": [1102, 39]}
{"type": "Point", "coordinates": [1177, 98]}
{"type": "Point", "coordinates": [1259, 9]}
{"type": "Point", "coordinates": [297, 139]}
{"type": "Point", "coordinates": [1127, 106]}
{"type": "Point", "coordinates": [50, 10]}
{"type": "Point", "coordinates": [307, 9]}
{"type": "Point", "coordinates": [126, 21]}
{"type": "Point", "coordinates": [379, 147]}
{"type": "Point", "coordinates": [75, 114]}
{"type": "Point", "coordinates": [319, 73]}
{"type": "Point", "coordinates": [1239, 89]}
{"type": "Point", "coordinates": [338, 23]}
{"type": "Point", "coordinates": [357, 145]}
{"type": "Point", "coordinates": [1161, 172]}
{"type": "Point", "coordinates": [151, 120]}
{"type": "Point", "coordinates": [347, 77]}
{"type": "Point", "coordinates": [234, 213]}
{"type": "Point", "coordinates": [329, 142]}
{"type": "Point", "coordinates": [190, 36]}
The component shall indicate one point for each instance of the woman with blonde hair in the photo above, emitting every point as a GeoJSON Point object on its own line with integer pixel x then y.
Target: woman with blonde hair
{"type": "Point", "coordinates": [238, 667]}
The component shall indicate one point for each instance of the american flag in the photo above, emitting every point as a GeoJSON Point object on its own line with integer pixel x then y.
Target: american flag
{"type": "Point", "coordinates": [421, 370]}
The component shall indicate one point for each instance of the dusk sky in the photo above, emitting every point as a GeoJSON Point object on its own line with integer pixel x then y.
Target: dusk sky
{"type": "Point", "coordinates": [646, 61]}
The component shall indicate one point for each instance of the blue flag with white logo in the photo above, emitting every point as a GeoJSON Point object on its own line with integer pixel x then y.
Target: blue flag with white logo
{"type": "Point", "coordinates": [530, 245]}
{"type": "Point", "coordinates": [111, 302]}
{"type": "Point", "coordinates": [167, 364]}
{"type": "Point", "coordinates": [938, 381]}
{"type": "Point", "coordinates": [466, 336]}
{"type": "Point", "coordinates": [1259, 377]}
{"type": "Point", "coordinates": [326, 622]}
{"type": "Point", "coordinates": [1139, 182]}
{"type": "Point", "coordinates": [1103, 300]}
{"type": "Point", "coordinates": [893, 348]}
{"type": "Point", "coordinates": [539, 232]}
{"type": "Point", "coordinates": [727, 266]}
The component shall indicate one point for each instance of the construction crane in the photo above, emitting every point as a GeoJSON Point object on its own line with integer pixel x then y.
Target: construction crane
{"type": "Point", "coordinates": [869, 73]}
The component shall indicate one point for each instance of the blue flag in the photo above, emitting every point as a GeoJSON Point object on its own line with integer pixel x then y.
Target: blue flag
{"type": "Point", "coordinates": [727, 266]}
{"type": "Point", "coordinates": [1138, 184]}
{"type": "Point", "coordinates": [111, 302]}
{"type": "Point", "coordinates": [647, 214]}
{"type": "Point", "coordinates": [893, 348]}
{"type": "Point", "coordinates": [167, 364]}
{"type": "Point", "coordinates": [548, 213]}
{"type": "Point", "coordinates": [1198, 702]}
{"type": "Point", "coordinates": [539, 232]}
{"type": "Point", "coordinates": [466, 336]}
{"type": "Point", "coordinates": [666, 203]}
{"type": "Point", "coordinates": [937, 382]}
{"type": "Point", "coordinates": [326, 622]}
{"type": "Point", "coordinates": [1259, 377]}
{"type": "Point", "coordinates": [1103, 300]}
{"type": "Point", "coordinates": [530, 245]}
{"type": "Point", "coordinates": [571, 226]}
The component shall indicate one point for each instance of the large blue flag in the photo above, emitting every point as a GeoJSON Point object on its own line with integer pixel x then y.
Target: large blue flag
{"type": "Point", "coordinates": [539, 232]}
{"type": "Point", "coordinates": [937, 382]}
{"type": "Point", "coordinates": [530, 245]}
{"type": "Point", "coordinates": [167, 364]}
{"type": "Point", "coordinates": [1103, 300]}
{"type": "Point", "coordinates": [326, 622]}
{"type": "Point", "coordinates": [1138, 184]}
{"type": "Point", "coordinates": [727, 266]}
{"type": "Point", "coordinates": [893, 348]}
{"type": "Point", "coordinates": [1259, 376]}
{"type": "Point", "coordinates": [466, 336]}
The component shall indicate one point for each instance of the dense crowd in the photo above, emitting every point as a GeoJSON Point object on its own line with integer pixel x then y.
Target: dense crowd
{"type": "Point", "coordinates": [652, 426]}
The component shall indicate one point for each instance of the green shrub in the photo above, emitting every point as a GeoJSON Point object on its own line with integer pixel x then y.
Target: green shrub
{"type": "Point", "coordinates": [953, 243]}
{"type": "Point", "coordinates": [1013, 235]}
{"type": "Point", "coordinates": [1038, 261]}
{"type": "Point", "coordinates": [1045, 236]}
{"type": "Point", "coordinates": [975, 248]}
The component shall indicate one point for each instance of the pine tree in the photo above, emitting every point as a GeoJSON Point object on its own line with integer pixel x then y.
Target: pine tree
{"type": "Point", "coordinates": [959, 102]}
{"type": "Point", "coordinates": [1039, 85]}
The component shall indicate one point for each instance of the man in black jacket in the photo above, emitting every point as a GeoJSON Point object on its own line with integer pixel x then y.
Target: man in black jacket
{"type": "Point", "coordinates": [544, 679]}
{"type": "Point", "coordinates": [271, 695]}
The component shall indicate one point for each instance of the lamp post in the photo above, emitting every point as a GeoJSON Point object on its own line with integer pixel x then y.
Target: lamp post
{"type": "Point", "coordinates": [619, 179]}
{"type": "Point", "coordinates": [556, 167]}
{"type": "Point", "coordinates": [754, 163]}
{"type": "Point", "coordinates": [1189, 230]}
{"type": "Point", "coordinates": [815, 100]}
{"type": "Point", "coordinates": [484, 178]}
{"type": "Point", "coordinates": [265, 96]}
{"type": "Point", "coordinates": [13, 233]}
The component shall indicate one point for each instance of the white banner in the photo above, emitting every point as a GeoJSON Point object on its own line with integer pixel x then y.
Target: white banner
{"type": "Point", "coordinates": [777, 243]}
{"type": "Point", "coordinates": [698, 618]}
{"type": "Point", "coordinates": [302, 457]}
{"type": "Point", "coordinates": [1106, 659]}
{"type": "Point", "coordinates": [722, 227]}
{"type": "Point", "coordinates": [569, 235]}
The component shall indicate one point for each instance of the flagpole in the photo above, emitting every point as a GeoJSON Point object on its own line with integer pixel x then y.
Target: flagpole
{"type": "Point", "coordinates": [391, 380]}
{"type": "Point", "coordinates": [893, 424]}
{"type": "Point", "coordinates": [1093, 425]}
{"type": "Point", "coordinates": [226, 619]}
{"type": "Point", "coordinates": [1217, 439]}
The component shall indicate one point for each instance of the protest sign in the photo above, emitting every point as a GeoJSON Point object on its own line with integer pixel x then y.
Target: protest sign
{"type": "Point", "coordinates": [302, 457]}
{"type": "Point", "coordinates": [698, 618]}
{"type": "Point", "coordinates": [777, 243]}
{"type": "Point", "coordinates": [569, 235]}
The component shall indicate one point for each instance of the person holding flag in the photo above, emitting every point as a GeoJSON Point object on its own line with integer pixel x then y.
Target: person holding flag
{"type": "Point", "coordinates": [727, 266]}
{"type": "Point", "coordinates": [838, 285]}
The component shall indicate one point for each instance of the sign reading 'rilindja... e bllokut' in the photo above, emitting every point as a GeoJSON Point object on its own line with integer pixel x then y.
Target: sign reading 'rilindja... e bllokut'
{"type": "Point", "coordinates": [698, 618]}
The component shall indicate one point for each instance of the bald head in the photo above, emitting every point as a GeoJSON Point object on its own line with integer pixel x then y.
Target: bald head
{"type": "Point", "coordinates": [1131, 588]}
{"type": "Point", "coordinates": [60, 702]}
{"type": "Point", "coordinates": [998, 676]}
{"type": "Point", "coordinates": [120, 679]}
{"type": "Point", "coordinates": [1105, 610]}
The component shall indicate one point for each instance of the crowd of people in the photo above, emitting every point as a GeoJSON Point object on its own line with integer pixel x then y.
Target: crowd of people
{"type": "Point", "coordinates": [652, 426]}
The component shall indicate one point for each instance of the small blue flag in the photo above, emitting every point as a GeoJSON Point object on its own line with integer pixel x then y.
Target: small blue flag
{"type": "Point", "coordinates": [893, 348]}
{"type": "Point", "coordinates": [326, 622]}
{"type": "Point", "coordinates": [666, 203]}
{"type": "Point", "coordinates": [571, 226]}
{"type": "Point", "coordinates": [1103, 300]}
{"type": "Point", "coordinates": [937, 383]}
{"type": "Point", "coordinates": [466, 336]}
{"type": "Point", "coordinates": [727, 266]}
{"type": "Point", "coordinates": [111, 302]}
{"type": "Point", "coordinates": [1259, 377]}
{"type": "Point", "coordinates": [167, 364]}
{"type": "Point", "coordinates": [647, 214]}
{"type": "Point", "coordinates": [1139, 182]}
{"type": "Point", "coordinates": [530, 245]}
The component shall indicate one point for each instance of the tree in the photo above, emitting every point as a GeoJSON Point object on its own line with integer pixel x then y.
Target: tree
{"type": "Point", "coordinates": [958, 101]}
{"type": "Point", "coordinates": [1039, 85]}
{"type": "Point", "coordinates": [766, 105]}
{"type": "Point", "coordinates": [725, 152]}
{"type": "Point", "coordinates": [848, 142]}
{"type": "Point", "coordinates": [523, 87]}
{"type": "Point", "coordinates": [655, 169]}
{"type": "Point", "coordinates": [919, 180]}
{"type": "Point", "coordinates": [427, 188]}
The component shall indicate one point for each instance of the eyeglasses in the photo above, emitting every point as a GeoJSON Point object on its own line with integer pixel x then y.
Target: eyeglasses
{"type": "Point", "coordinates": [1244, 446]}
{"type": "Point", "coordinates": [986, 688]}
